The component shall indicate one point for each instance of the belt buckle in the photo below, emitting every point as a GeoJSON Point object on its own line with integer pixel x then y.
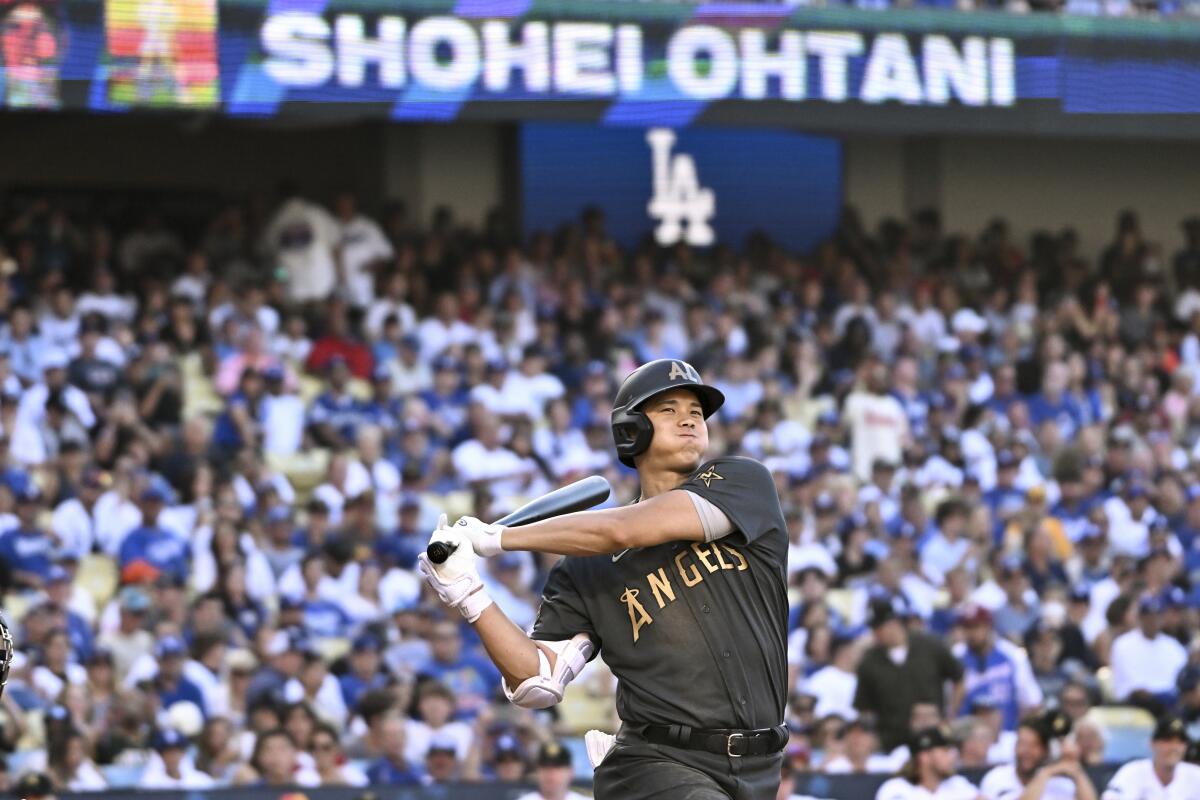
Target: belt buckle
{"type": "Point", "coordinates": [741, 737]}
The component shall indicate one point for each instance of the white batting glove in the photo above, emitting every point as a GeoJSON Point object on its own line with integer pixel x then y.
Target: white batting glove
{"type": "Point", "coordinates": [456, 581]}
{"type": "Point", "coordinates": [598, 743]}
{"type": "Point", "coordinates": [484, 538]}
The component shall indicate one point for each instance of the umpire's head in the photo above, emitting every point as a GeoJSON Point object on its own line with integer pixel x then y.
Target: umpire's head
{"type": "Point", "coordinates": [659, 416]}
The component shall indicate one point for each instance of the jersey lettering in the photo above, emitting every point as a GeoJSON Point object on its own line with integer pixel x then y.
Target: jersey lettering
{"type": "Point", "coordinates": [637, 613]}
{"type": "Point", "coordinates": [683, 372]}
{"type": "Point", "coordinates": [663, 590]}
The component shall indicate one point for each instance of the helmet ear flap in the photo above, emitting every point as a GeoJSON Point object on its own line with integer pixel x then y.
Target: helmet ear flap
{"type": "Point", "coordinates": [631, 434]}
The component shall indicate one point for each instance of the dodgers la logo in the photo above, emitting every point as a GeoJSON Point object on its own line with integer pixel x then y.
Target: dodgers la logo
{"type": "Point", "coordinates": [678, 195]}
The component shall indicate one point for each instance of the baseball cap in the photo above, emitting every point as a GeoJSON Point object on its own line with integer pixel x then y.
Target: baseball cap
{"type": "Point", "coordinates": [442, 744]}
{"type": "Point", "coordinates": [169, 739]}
{"type": "Point", "coordinates": [170, 646]}
{"type": "Point", "coordinates": [1006, 459]}
{"type": "Point", "coordinates": [883, 610]}
{"type": "Point", "coordinates": [55, 358]}
{"type": "Point", "coordinates": [974, 614]}
{"type": "Point", "coordinates": [1150, 605]}
{"type": "Point", "coordinates": [33, 784]}
{"type": "Point", "coordinates": [154, 493]}
{"type": "Point", "coordinates": [825, 503]}
{"type": "Point", "coordinates": [553, 754]}
{"type": "Point", "coordinates": [1169, 727]}
{"type": "Point", "coordinates": [929, 738]}
{"type": "Point", "coordinates": [273, 372]}
{"type": "Point", "coordinates": [364, 642]}
{"type": "Point", "coordinates": [508, 748]}
{"type": "Point", "coordinates": [56, 574]}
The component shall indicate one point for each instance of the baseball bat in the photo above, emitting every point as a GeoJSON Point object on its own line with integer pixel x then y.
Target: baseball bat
{"type": "Point", "coordinates": [577, 496]}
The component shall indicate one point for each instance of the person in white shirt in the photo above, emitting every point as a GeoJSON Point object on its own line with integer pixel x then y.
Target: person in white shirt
{"type": "Point", "coordinates": [302, 237]}
{"type": "Point", "coordinates": [360, 247]}
{"type": "Point", "coordinates": [444, 329]}
{"type": "Point", "coordinates": [554, 773]}
{"type": "Point", "coordinates": [1034, 774]}
{"type": "Point", "coordinates": [877, 422]}
{"type": "Point", "coordinates": [859, 754]}
{"type": "Point", "coordinates": [834, 685]}
{"type": "Point", "coordinates": [1163, 776]}
{"type": "Point", "coordinates": [1145, 660]}
{"type": "Point", "coordinates": [170, 768]}
{"type": "Point", "coordinates": [930, 771]}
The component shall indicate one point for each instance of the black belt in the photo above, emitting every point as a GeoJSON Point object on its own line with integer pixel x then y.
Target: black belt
{"type": "Point", "coordinates": [723, 741]}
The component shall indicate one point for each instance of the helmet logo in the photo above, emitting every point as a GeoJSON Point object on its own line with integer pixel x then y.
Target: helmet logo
{"type": "Point", "coordinates": [685, 371]}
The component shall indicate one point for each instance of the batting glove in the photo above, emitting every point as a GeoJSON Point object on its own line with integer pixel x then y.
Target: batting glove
{"type": "Point", "coordinates": [456, 581]}
{"type": "Point", "coordinates": [484, 538]}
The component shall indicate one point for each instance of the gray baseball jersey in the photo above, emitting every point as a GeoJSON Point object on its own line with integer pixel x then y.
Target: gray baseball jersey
{"type": "Point", "coordinates": [696, 633]}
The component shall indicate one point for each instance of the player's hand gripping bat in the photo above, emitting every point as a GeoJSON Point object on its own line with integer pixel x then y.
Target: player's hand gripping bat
{"type": "Point", "coordinates": [577, 496]}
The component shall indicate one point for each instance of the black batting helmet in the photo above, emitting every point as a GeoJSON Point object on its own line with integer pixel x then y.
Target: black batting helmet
{"type": "Point", "coordinates": [631, 429]}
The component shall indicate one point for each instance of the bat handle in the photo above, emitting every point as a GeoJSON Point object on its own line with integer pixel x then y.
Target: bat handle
{"type": "Point", "coordinates": [438, 552]}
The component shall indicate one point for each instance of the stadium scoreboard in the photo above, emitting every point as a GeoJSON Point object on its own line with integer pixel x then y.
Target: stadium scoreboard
{"type": "Point", "coordinates": [612, 63]}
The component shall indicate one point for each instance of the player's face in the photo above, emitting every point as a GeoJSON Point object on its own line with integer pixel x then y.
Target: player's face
{"type": "Point", "coordinates": [680, 433]}
{"type": "Point", "coordinates": [1168, 753]}
{"type": "Point", "coordinates": [943, 761]}
{"type": "Point", "coordinates": [553, 781]}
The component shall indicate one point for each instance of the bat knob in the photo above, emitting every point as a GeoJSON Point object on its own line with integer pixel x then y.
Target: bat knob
{"type": "Point", "coordinates": [438, 552]}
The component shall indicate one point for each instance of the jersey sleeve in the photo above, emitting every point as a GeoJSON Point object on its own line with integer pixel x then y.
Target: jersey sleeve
{"type": "Point", "coordinates": [562, 613]}
{"type": "Point", "coordinates": [1123, 785]}
{"type": "Point", "coordinates": [745, 491]}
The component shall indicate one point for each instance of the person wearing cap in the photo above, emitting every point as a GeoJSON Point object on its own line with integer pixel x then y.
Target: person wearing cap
{"type": "Point", "coordinates": [442, 764]}
{"type": "Point", "coordinates": [170, 682]}
{"type": "Point", "coordinates": [994, 668]}
{"type": "Point", "coordinates": [168, 768]}
{"type": "Point", "coordinates": [508, 763]}
{"type": "Point", "coordinates": [150, 542]}
{"type": "Point", "coordinates": [930, 771]}
{"type": "Point", "coordinates": [130, 641]}
{"type": "Point", "coordinates": [26, 550]}
{"type": "Point", "coordinates": [1163, 776]}
{"type": "Point", "coordinates": [903, 668]}
{"type": "Point", "coordinates": [859, 751]}
{"type": "Point", "coordinates": [58, 593]}
{"type": "Point", "coordinates": [1145, 661]}
{"type": "Point", "coordinates": [366, 672]}
{"type": "Point", "coordinates": [34, 786]}
{"type": "Point", "coordinates": [1045, 768]}
{"type": "Point", "coordinates": [333, 416]}
{"type": "Point", "coordinates": [553, 775]}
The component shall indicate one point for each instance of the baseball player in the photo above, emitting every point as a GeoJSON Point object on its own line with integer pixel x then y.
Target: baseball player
{"type": "Point", "coordinates": [683, 591]}
{"type": "Point", "coordinates": [1036, 773]}
{"type": "Point", "coordinates": [930, 771]}
{"type": "Point", "coordinates": [554, 775]}
{"type": "Point", "coordinates": [1163, 776]}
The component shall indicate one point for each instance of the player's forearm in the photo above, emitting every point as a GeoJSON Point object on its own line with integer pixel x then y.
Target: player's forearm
{"type": "Point", "coordinates": [664, 518]}
{"type": "Point", "coordinates": [513, 653]}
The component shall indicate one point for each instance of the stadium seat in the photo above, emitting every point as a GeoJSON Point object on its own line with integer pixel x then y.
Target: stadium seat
{"type": "Point", "coordinates": [1128, 730]}
{"type": "Point", "coordinates": [98, 575]}
{"type": "Point", "coordinates": [305, 470]}
{"type": "Point", "coordinates": [332, 648]}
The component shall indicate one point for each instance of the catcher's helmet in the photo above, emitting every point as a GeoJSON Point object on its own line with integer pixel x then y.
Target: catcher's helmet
{"type": "Point", "coordinates": [631, 429]}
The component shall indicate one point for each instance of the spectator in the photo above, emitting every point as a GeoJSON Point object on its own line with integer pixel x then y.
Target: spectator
{"type": "Point", "coordinates": [994, 669]}
{"type": "Point", "coordinates": [392, 767]}
{"type": "Point", "coordinates": [900, 670]}
{"type": "Point", "coordinates": [1164, 772]}
{"type": "Point", "coordinates": [554, 774]}
{"type": "Point", "coordinates": [1033, 773]}
{"type": "Point", "coordinates": [1145, 661]}
{"type": "Point", "coordinates": [330, 762]}
{"type": "Point", "coordinates": [169, 769]}
{"type": "Point", "coordinates": [274, 763]}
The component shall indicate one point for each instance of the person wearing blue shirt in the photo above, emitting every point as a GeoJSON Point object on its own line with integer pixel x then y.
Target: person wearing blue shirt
{"type": "Point", "coordinates": [152, 544]}
{"type": "Point", "coordinates": [381, 408]}
{"type": "Point", "coordinates": [473, 680]}
{"type": "Point", "coordinates": [401, 548]}
{"type": "Point", "coordinates": [1072, 508]}
{"type": "Point", "coordinates": [391, 768]}
{"type": "Point", "coordinates": [335, 414]}
{"type": "Point", "coordinates": [170, 684]}
{"type": "Point", "coordinates": [25, 551]}
{"type": "Point", "coordinates": [365, 674]}
{"type": "Point", "coordinates": [58, 589]}
{"type": "Point", "coordinates": [995, 671]}
{"type": "Point", "coordinates": [1004, 499]}
{"type": "Point", "coordinates": [234, 427]}
{"type": "Point", "coordinates": [1053, 404]}
{"type": "Point", "coordinates": [447, 402]}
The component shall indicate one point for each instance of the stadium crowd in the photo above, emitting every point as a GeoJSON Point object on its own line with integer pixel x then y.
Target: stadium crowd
{"type": "Point", "coordinates": [221, 451]}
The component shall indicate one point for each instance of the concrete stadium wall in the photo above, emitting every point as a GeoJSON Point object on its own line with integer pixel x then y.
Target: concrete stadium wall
{"type": "Point", "coordinates": [1034, 183]}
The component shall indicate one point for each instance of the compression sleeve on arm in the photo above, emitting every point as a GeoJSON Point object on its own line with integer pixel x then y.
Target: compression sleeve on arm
{"type": "Point", "coordinates": [716, 525]}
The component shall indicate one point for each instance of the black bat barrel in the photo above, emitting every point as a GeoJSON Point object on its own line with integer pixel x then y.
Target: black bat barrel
{"type": "Point", "coordinates": [577, 496]}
